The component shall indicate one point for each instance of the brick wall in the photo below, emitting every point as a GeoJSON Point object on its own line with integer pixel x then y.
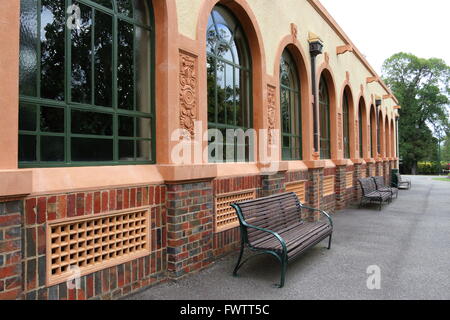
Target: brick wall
{"type": "Point", "coordinates": [315, 191]}
{"type": "Point", "coordinates": [272, 184]}
{"type": "Point", "coordinates": [190, 223]}
{"type": "Point", "coordinates": [108, 283]}
{"type": "Point", "coordinates": [10, 249]}
{"type": "Point", "coordinates": [341, 187]}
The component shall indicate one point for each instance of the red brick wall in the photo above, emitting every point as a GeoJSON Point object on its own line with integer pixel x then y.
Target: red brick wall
{"type": "Point", "coordinates": [190, 227]}
{"type": "Point", "coordinates": [108, 283]}
{"type": "Point", "coordinates": [10, 250]}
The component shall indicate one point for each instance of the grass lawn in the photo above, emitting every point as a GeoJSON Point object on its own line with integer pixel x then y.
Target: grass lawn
{"type": "Point", "coordinates": [442, 179]}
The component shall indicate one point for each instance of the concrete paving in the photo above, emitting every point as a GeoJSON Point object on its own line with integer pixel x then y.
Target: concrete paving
{"type": "Point", "coordinates": [409, 240]}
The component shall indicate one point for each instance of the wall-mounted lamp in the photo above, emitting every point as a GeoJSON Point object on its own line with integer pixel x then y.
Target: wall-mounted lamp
{"type": "Point", "coordinates": [315, 48]}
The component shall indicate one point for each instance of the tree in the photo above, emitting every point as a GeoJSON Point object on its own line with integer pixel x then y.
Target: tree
{"type": "Point", "coordinates": [423, 90]}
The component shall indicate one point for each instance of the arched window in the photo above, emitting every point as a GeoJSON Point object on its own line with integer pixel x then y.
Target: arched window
{"type": "Point", "coordinates": [229, 79]}
{"type": "Point", "coordinates": [290, 108]}
{"type": "Point", "coordinates": [379, 124]}
{"type": "Point", "coordinates": [371, 132]}
{"type": "Point", "coordinates": [346, 127]}
{"type": "Point", "coordinates": [86, 83]}
{"type": "Point", "coordinates": [324, 113]}
{"type": "Point", "coordinates": [360, 120]}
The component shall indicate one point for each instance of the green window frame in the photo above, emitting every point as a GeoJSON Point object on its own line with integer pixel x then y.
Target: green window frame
{"type": "Point", "coordinates": [290, 104]}
{"type": "Point", "coordinates": [346, 127]}
{"type": "Point", "coordinates": [324, 114]}
{"type": "Point", "coordinates": [86, 83]}
{"type": "Point", "coordinates": [229, 81]}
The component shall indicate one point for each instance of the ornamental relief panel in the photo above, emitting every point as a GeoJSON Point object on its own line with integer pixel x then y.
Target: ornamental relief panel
{"type": "Point", "coordinates": [188, 92]}
{"type": "Point", "coordinates": [271, 105]}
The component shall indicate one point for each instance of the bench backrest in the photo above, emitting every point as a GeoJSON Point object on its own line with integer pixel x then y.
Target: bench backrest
{"type": "Point", "coordinates": [399, 177]}
{"type": "Point", "coordinates": [275, 213]}
{"type": "Point", "coordinates": [379, 182]}
{"type": "Point", "coordinates": [367, 185]}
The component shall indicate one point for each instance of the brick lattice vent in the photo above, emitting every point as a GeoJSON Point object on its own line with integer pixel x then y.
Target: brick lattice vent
{"type": "Point", "coordinates": [349, 180]}
{"type": "Point", "coordinates": [299, 188]}
{"type": "Point", "coordinates": [328, 186]}
{"type": "Point", "coordinates": [95, 243]}
{"type": "Point", "coordinates": [225, 214]}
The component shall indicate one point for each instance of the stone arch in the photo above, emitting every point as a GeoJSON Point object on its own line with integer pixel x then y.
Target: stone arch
{"type": "Point", "coordinates": [260, 92]}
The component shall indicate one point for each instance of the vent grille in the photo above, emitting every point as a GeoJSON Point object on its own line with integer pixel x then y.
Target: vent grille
{"type": "Point", "coordinates": [372, 171]}
{"type": "Point", "coordinates": [225, 214]}
{"type": "Point", "coordinates": [349, 180]}
{"type": "Point", "coordinates": [95, 243]}
{"type": "Point", "coordinates": [299, 189]}
{"type": "Point", "coordinates": [328, 186]}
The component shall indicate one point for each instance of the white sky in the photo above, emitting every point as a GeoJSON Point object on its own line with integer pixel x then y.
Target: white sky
{"type": "Point", "coordinates": [380, 28]}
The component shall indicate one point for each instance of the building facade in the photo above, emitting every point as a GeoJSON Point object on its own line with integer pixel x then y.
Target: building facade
{"type": "Point", "coordinates": [105, 111]}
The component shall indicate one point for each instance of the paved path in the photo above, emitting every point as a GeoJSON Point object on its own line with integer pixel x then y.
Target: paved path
{"type": "Point", "coordinates": [409, 240]}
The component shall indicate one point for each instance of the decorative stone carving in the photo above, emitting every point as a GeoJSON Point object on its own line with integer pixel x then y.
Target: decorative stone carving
{"type": "Point", "coordinates": [343, 49]}
{"type": "Point", "coordinates": [294, 31]}
{"type": "Point", "coordinates": [327, 58]}
{"type": "Point", "coordinates": [188, 92]}
{"type": "Point", "coordinates": [271, 105]}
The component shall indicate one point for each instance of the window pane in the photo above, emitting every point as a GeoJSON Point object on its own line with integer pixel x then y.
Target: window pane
{"type": "Point", "coordinates": [143, 67]}
{"type": "Point", "coordinates": [144, 128]}
{"type": "Point", "coordinates": [125, 84]}
{"type": "Point", "coordinates": [221, 93]}
{"type": "Point", "coordinates": [126, 126]}
{"type": "Point", "coordinates": [229, 94]}
{"type": "Point", "coordinates": [91, 123]}
{"type": "Point", "coordinates": [53, 18]}
{"type": "Point", "coordinates": [27, 117]}
{"type": "Point", "coordinates": [92, 149]}
{"type": "Point", "coordinates": [27, 148]}
{"type": "Point", "coordinates": [52, 119]}
{"type": "Point", "coordinates": [211, 78]}
{"type": "Point", "coordinates": [28, 48]}
{"type": "Point", "coordinates": [126, 150]}
{"type": "Point", "coordinates": [52, 149]}
{"type": "Point", "coordinates": [143, 150]}
{"type": "Point", "coordinates": [103, 59]}
{"type": "Point", "coordinates": [124, 7]}
{"type": "Point", "coordinates": [82, 58]}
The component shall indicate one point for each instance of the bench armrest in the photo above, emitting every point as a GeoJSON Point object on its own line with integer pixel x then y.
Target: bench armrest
{"type": "Point", "coordinates": [273, 233]}
{"type": "Point", "coordinates": [247, 225]}
{"type": "Point", "coordinates": [321, 211]}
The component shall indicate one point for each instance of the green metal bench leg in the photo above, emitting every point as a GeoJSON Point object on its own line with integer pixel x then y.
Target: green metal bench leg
{"type": "Point", "coordinates": [239, 261]}
{"type": "Point", "coordinates": [329, 242]}
{"type": "Point", "coordinates": [283, 273]}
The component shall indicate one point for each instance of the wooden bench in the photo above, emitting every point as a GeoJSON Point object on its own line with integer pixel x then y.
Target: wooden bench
{"type": "Point", "coordinates": [379, 183]}
{"type": "Point", "coordinates": [273, 225]}
{"type": "Point", "coordinates": [371, 194]}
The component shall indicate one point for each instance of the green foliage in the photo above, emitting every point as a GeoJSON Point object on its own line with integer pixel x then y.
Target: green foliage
{"type": "Point", "coordinates": [422, 88]}
{"type": "Point", "coordinates": [430, 167]}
